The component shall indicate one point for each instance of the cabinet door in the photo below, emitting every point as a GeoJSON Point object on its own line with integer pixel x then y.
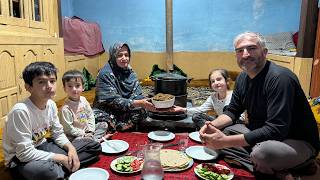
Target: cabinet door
{"type": "Point", "coordinates": [26, 54]}
{"type": "Point", "coordinates": [8, 84]}
{"type": "Point", "coordinates": [54, 54]}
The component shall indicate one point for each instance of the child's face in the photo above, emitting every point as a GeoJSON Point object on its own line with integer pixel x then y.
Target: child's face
{"type": "Point", "coordinates": [73, 88]}
{"type": "Point", "coordinates": [218, 82]}
{"type": "Point", "coordinates": [43, 87]}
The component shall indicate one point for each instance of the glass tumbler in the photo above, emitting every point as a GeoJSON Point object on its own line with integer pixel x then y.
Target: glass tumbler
{"type": "Point", "coordinates": [152, 169]}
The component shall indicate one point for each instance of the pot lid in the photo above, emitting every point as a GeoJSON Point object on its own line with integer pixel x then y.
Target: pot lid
{"type": "Point", "coordinates": [170, 76]}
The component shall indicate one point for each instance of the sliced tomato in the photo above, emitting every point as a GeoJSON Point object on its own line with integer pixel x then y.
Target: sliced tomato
{"type": "Point", "coordinates": [136, 164]}
{"type": "Point", "coordinates": [216, 168]}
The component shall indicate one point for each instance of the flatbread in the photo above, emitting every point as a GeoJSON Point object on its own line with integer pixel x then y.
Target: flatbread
{"type": "Point", "coordinates": [172, 159]}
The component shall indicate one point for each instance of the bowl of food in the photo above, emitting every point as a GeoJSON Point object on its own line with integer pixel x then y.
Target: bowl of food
{"type": "Point", "coordinates": [161, 100]}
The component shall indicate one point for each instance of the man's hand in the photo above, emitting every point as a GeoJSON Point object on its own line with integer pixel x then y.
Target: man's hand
{"type": "Point", "coordinates": [215, 139]}
{"type": "Point", "coordinates": [212, 137]}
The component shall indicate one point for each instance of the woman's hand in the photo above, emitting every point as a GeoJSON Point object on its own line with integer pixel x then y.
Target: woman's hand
{"type": "Point", "coordinates": [144, 103]}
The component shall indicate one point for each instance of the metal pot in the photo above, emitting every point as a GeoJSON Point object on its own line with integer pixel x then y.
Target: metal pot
{"type": "Point", "coordinates": [170, 83]}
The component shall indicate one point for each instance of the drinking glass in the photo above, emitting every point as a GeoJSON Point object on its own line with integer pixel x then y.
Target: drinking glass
{"type": "Point", "coordinates": [184, 138]}
{"type": "Point", "coordinates": [152, 169]}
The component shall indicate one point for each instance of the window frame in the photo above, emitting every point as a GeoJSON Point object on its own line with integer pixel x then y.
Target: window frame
{"type": "Point", "coordinates": [43, 15]}
{"type": "Point", "coordinates": [27, 14]}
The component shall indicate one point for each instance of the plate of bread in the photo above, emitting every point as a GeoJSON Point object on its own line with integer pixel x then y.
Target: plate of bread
{"type": "Point", "coordinates": [173, 160]}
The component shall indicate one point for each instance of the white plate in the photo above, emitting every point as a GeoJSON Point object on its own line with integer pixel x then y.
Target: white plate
{"type": "Point", "coordinates": [90, 173]}
{"type": "Point", "coordinates": [114, 146]}
{"type": "Point", "coordinates": [195, 136]}
{"type": "Point", "coordinates": [114, 162]}
{"type": "Point", "coordinates": [161, 135]}
{"type": "Point", "coordinates": [201, 153]}
{"type": "Point", "coordinates": [230, 175]}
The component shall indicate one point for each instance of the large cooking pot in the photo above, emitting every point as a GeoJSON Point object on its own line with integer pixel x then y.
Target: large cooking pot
{"type": "Point", "coordinates": [170, 83]}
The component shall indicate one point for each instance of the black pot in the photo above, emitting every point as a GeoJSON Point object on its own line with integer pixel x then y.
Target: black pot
{"type": "Point", "coordinates": [181, 100]}
{"type": "Point", "coordinates": [170, 83]}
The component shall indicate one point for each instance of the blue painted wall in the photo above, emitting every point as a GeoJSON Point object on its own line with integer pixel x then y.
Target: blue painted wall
{"type": "Point", "coordinates": [66, 8]}
{"type": "Point", "coordinates": [198, 25]}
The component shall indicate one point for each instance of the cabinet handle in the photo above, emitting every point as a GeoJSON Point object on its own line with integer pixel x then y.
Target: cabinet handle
{"type": "Point", "coordinates": [20, 89]}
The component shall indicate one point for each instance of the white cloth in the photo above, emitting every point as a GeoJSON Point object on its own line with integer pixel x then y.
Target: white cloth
{"type": "Point", "coordinates": [27, 127]}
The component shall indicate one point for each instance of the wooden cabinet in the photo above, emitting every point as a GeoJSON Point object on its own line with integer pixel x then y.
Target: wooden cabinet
{"type": "Point", "coordinates": [28, 32]}
{"type": "Point", "coordinates": [14, 57]}
{"type": "Point", "coordinates": [302, 67]}
{"type": "Point", "coordinates": [25, 13]}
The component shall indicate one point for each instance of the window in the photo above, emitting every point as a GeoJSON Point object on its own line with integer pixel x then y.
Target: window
{"type": "Point", "coordinates": [27, 13]}
{"type": "Point", "coordinates": [37, 19]}
{"type": "Point", "coordinates": [36, 10]}
{"type": "Point", "coordinates": [16, 8]}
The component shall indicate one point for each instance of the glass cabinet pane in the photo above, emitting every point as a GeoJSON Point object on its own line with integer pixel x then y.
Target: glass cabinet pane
{"type": "Point", "coordinates": [16, 8]}
{"type": "Point", "coordinates": [37, 10]}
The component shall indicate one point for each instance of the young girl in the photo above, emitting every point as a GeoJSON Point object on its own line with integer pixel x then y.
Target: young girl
{"type": "Point", "coordinates": [219, 83]}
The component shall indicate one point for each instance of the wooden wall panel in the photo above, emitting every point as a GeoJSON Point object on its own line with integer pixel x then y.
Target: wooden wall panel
{"type": "Point", "coordinates": [8, 98]}
{"type": "Point", "coordinates": [28, 54]}
{"type": "Point", "coordinates": [78, 62]}
{"type": "Point", "coordinates": [7, 69]}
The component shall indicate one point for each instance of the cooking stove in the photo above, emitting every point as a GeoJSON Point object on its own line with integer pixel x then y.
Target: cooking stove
{"type": "Point", "coordinates": [164, 120]}
{"type": "Point", "coordinates": [180, 122]}
{"type": "Point", "coordinates": [165, 115]}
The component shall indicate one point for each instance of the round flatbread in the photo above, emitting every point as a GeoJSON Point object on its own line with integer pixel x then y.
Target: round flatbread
{"type": "Point", "coordinates": [173, 159]}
